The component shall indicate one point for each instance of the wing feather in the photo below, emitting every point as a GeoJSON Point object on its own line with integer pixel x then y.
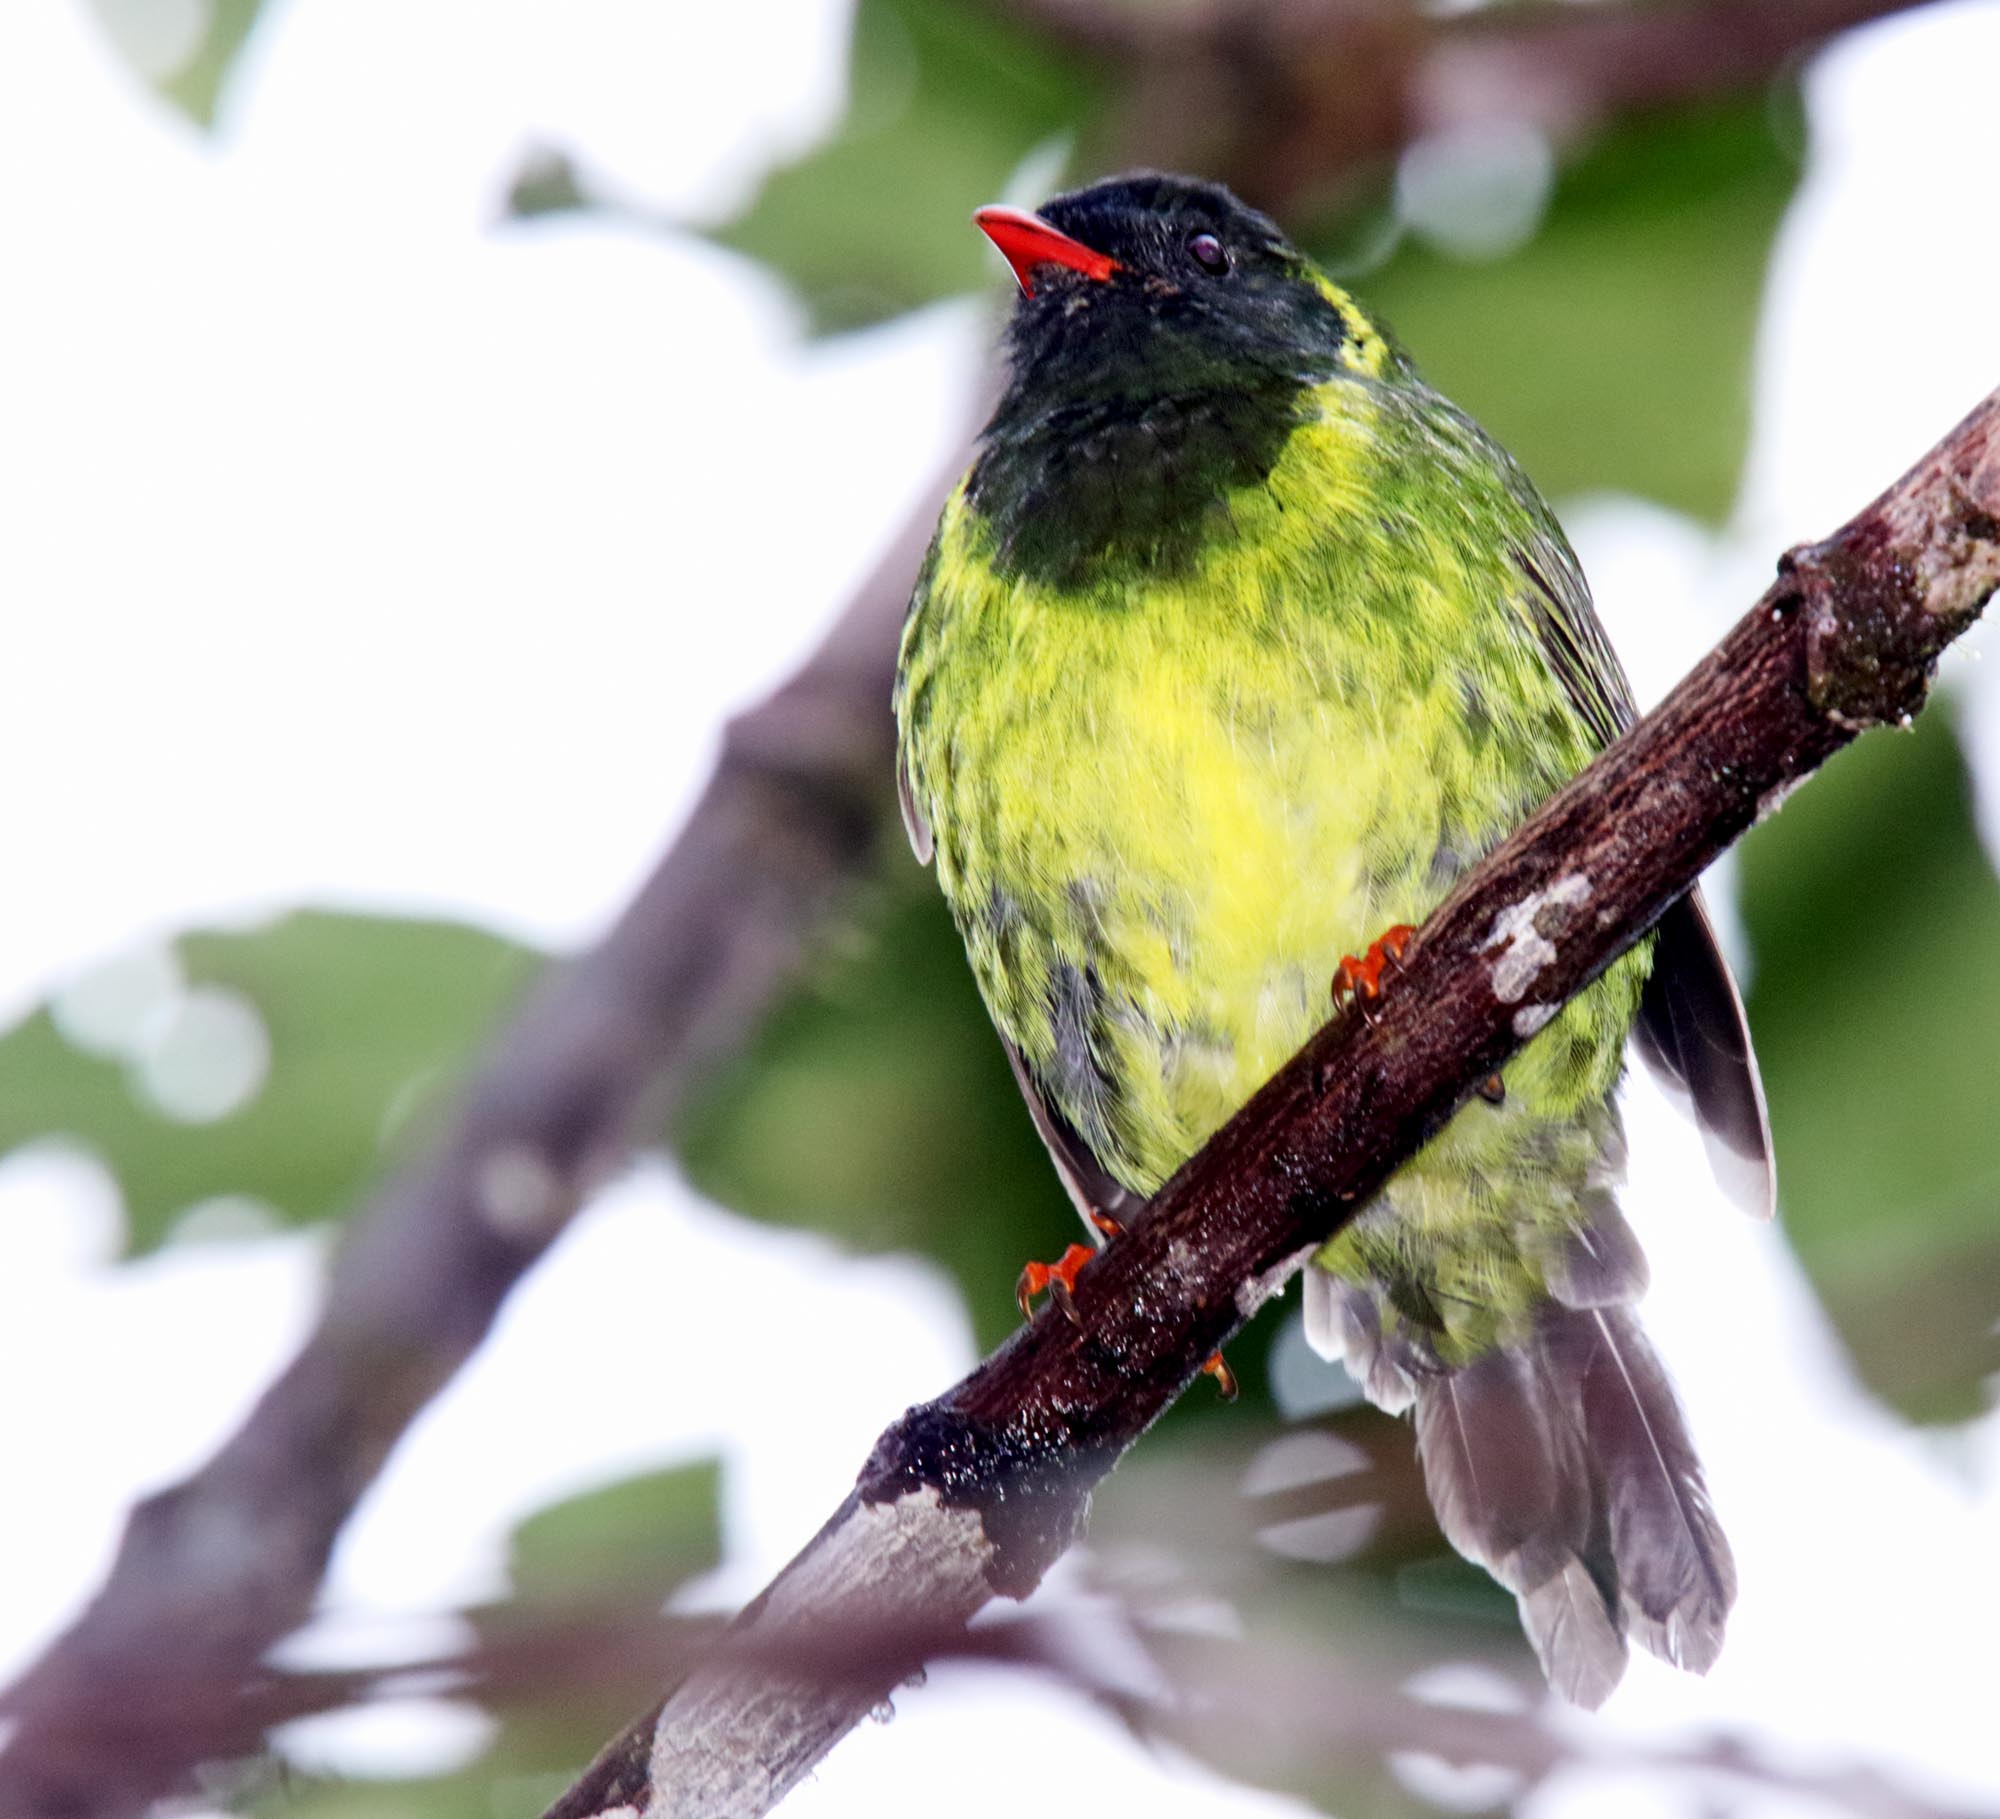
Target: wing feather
{"type": "Point", "coordinates": [1692, 1030]}
{"type": "Point", "coordinates": [1693, 1033]}
{"type": "Point", "coordinates": [914, 823]}
{"type": "Point", "coordinates": [1089, 1183]}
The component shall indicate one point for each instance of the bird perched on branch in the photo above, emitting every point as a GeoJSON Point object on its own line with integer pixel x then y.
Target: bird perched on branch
{"type": "Point", "coordinates": [1234, 648]}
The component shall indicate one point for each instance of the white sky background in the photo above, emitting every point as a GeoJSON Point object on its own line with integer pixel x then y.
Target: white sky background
{"type": "Point", "coordinates": [355, 552]}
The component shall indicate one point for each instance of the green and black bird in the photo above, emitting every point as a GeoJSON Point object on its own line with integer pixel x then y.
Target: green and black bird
{"type": "Point", "coordinates": [1235, 647]}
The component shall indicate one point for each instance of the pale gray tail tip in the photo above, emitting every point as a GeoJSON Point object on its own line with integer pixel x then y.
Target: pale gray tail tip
{"type": "Point", "coordinates": [1580, 1648]}
{"type": "Point", "coordinates": [1691, 1642]}
{"type": "Point", "coordinates": [1581, 1642]}
{"type": "Point", "coordinates": [1746, 1178]}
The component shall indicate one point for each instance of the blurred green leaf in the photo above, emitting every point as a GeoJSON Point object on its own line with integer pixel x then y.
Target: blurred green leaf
{"type": "Point", "coordinates": [1874, 916]}
{"type": "Point", "coordinates": [368, 1019]}
{"type": "Point", "coordinates": [195, 80]}
{"type": "Point", "coordinates": [1319, 1540]}
{"type": "Point", "coordinates": [197, 85]}
{"type": "Point", "coordinates": [877, 1107]}
{"type": "Point", "coordinates": [945, 100]}
{"type": "Point", "coordinates": [632, 1541]}
{"type": "Point", "coordinates": [1613, 350]}
{"type": "Point", "coordinates": [613, 1553]}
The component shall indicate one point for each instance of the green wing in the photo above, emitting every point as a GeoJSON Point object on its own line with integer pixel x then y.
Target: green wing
{"type": "Point", "coordinates": [1572, 637]}
{"type": "Point", "coordinates": [1692, 1030]}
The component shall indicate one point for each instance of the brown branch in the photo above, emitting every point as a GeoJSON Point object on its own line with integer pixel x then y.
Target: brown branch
{"type": "Point", "coordinates": [215, 1569]}
{"type": "Point", "coordinates": [1568, 67]}
{"type": "Point", "coordinates": [976, 1493]}
{"type": "Point", "coordinates": [1288, 100]}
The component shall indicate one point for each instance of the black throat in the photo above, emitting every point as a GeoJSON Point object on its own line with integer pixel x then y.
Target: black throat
{"type": "Point", "coordinates": [1096, 488]}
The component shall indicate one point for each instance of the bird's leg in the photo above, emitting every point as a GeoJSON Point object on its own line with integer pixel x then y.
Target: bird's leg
{"type": "Point", "coordinates": [1362, 979]}
{"type": "Point", "coordinates": [1059, 1278]}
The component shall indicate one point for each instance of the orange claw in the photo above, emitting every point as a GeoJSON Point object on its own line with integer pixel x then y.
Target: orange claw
{"type": "Point", "coordinates": [1059, 1278]}
{"type": "Point", "coordinates": [1363, 978]}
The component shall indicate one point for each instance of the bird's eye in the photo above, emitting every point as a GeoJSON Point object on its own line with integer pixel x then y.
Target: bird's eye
{"type": "Point", "coordinates": [1209, 253]}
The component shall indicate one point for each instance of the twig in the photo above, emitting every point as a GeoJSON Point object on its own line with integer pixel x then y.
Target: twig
{"type": "Point", "coordinates": [1270, 1706]}
{"type": "Point", "coordinates": [1278, 1710]}
{"type": "Point", "coordinates": [976, 1493]}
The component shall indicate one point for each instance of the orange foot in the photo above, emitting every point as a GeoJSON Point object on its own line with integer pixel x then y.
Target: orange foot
{"type": "Point", "coordinates": [1059, 1278]}
{"type": "Point", "coordinates": [1362, 979]}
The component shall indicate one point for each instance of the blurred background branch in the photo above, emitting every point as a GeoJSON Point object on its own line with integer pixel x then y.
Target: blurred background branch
{"type": "Point", "coordinates": [215, 1570]}
{"type": "Point", "coordinates": [1291, 101]}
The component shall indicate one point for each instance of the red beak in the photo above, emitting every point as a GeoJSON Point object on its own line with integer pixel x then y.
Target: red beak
{"type": "Point", "coordinates": [1026, 241]}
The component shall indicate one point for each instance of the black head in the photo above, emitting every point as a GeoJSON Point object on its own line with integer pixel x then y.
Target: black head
{"type": "Point", "coordinates": [1149, 283]}
{"type": "Point", "coordinates": [1167, 341]}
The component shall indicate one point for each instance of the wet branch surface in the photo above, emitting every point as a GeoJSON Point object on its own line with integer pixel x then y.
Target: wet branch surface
{"type": "Point", "coordinates": [973, 1495]}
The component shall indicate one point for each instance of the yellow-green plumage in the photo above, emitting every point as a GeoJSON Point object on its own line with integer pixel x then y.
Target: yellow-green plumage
{"type": "Point", "coordinates": [1205, 790]}
{"type": "Point", "coordinates": [1206, 684]}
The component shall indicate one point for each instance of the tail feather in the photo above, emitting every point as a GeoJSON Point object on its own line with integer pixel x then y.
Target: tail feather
{"type": "Point", "coordinates": [1495, 1476]}
{"type": "Point", "coordinates": [1344, 1324]}
{"type": "Point", "coordinates": [1581, 1648]}
{"type": "Point", "coordinates": [1596, 1262]}
{"type": "Point", "coordinates": [1676, 1577]}
{"type": "Point", "coordinates": [1559, 1460]}
{"type": "Point", "coordinates": [1563, 1466]}
{"type": "Point", "coordinates": [1506, 1477]}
